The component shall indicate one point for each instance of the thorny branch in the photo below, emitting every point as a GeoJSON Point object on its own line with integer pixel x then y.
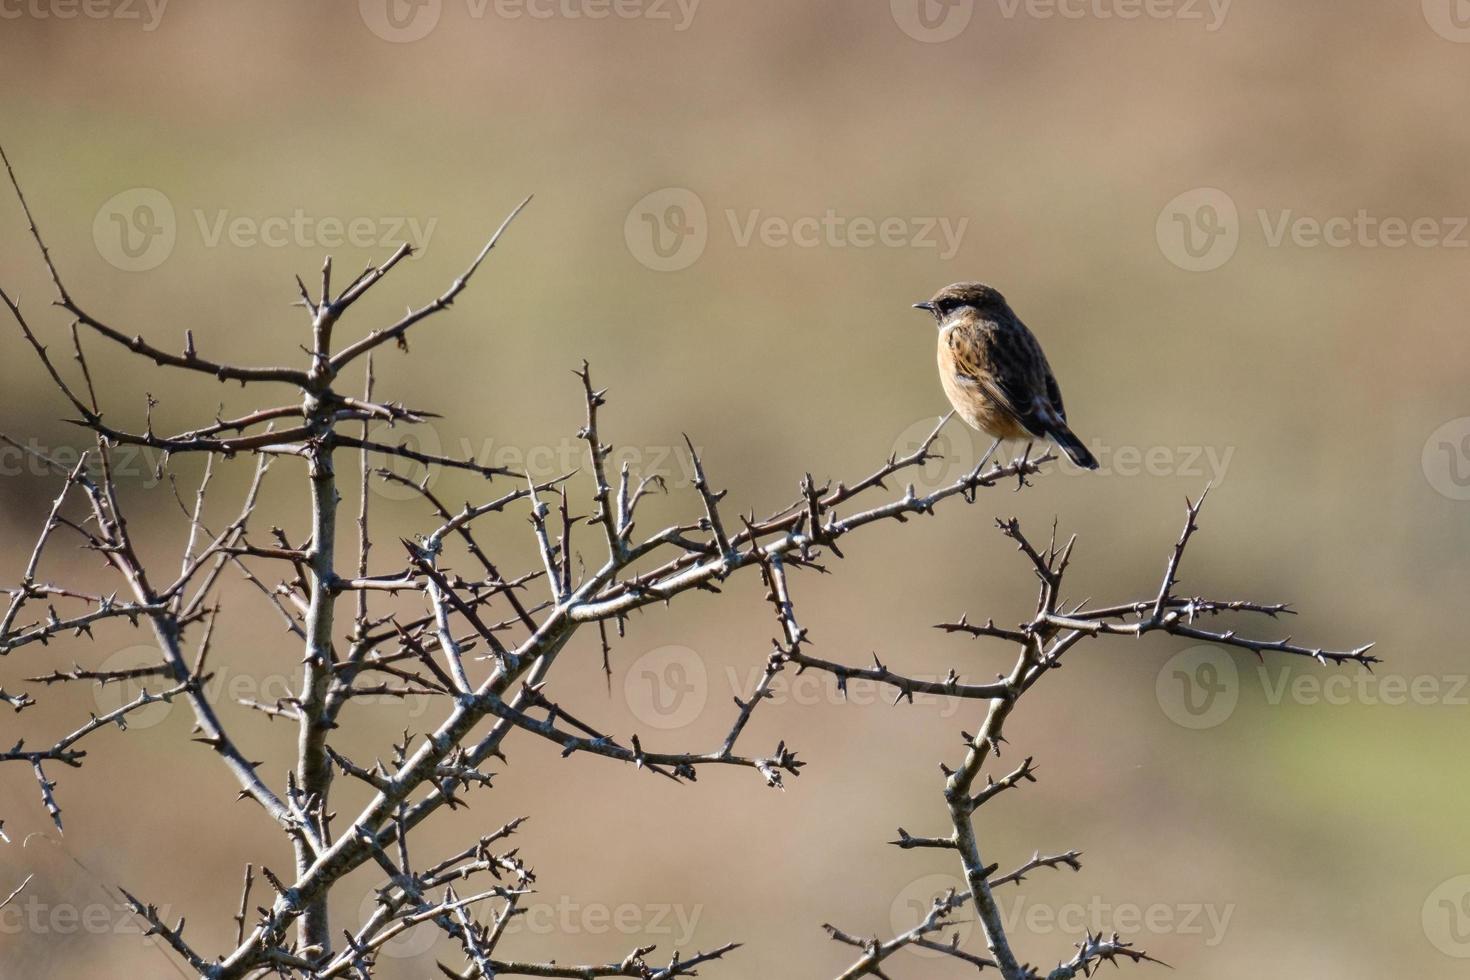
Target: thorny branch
{"type": "Point", "coordinates": [481, 647]}
{"type": "Point", "coordinates": [1041, 644]}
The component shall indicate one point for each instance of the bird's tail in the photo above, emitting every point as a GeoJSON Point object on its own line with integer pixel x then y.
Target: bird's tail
{"type": "Point", "coordinates": [1072, 446]}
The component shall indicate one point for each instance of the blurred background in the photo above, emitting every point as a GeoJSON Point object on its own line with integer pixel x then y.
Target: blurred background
{"type": "Point", "coordinates": [1239, 230]}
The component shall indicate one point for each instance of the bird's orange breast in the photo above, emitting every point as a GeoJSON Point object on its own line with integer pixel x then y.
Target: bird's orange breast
{"type": "Point", "coordinates": [970, 401]}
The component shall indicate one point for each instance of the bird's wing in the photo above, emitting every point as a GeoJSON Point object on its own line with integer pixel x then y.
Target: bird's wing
{"type": "Point", "coordinates": [1021, 371]}
{"type": "Point", "coordinates": [1054, 391]}
{"type": "Point", "coordinates": [974, 365]}
{"type": "Point", "coordinates": [1004, 361]}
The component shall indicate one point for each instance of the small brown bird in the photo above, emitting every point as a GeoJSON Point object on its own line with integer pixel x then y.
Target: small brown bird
{"type": "Point", "coordinates": [994, 372]}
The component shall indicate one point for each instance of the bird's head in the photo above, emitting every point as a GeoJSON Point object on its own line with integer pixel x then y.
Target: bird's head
{"type": "Point", "coordinates": [964, 297]}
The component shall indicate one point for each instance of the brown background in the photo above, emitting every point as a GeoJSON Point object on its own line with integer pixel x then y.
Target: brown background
{"type": "Point", "coordinates": [1318, 373]}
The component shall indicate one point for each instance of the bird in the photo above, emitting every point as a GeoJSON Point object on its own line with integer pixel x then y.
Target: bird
{"type": "Point", "coordinates": [994, 372]}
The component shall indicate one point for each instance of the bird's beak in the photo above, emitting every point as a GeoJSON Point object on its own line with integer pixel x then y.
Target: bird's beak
{"type": "Point", "coordinates": [926, 306]}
